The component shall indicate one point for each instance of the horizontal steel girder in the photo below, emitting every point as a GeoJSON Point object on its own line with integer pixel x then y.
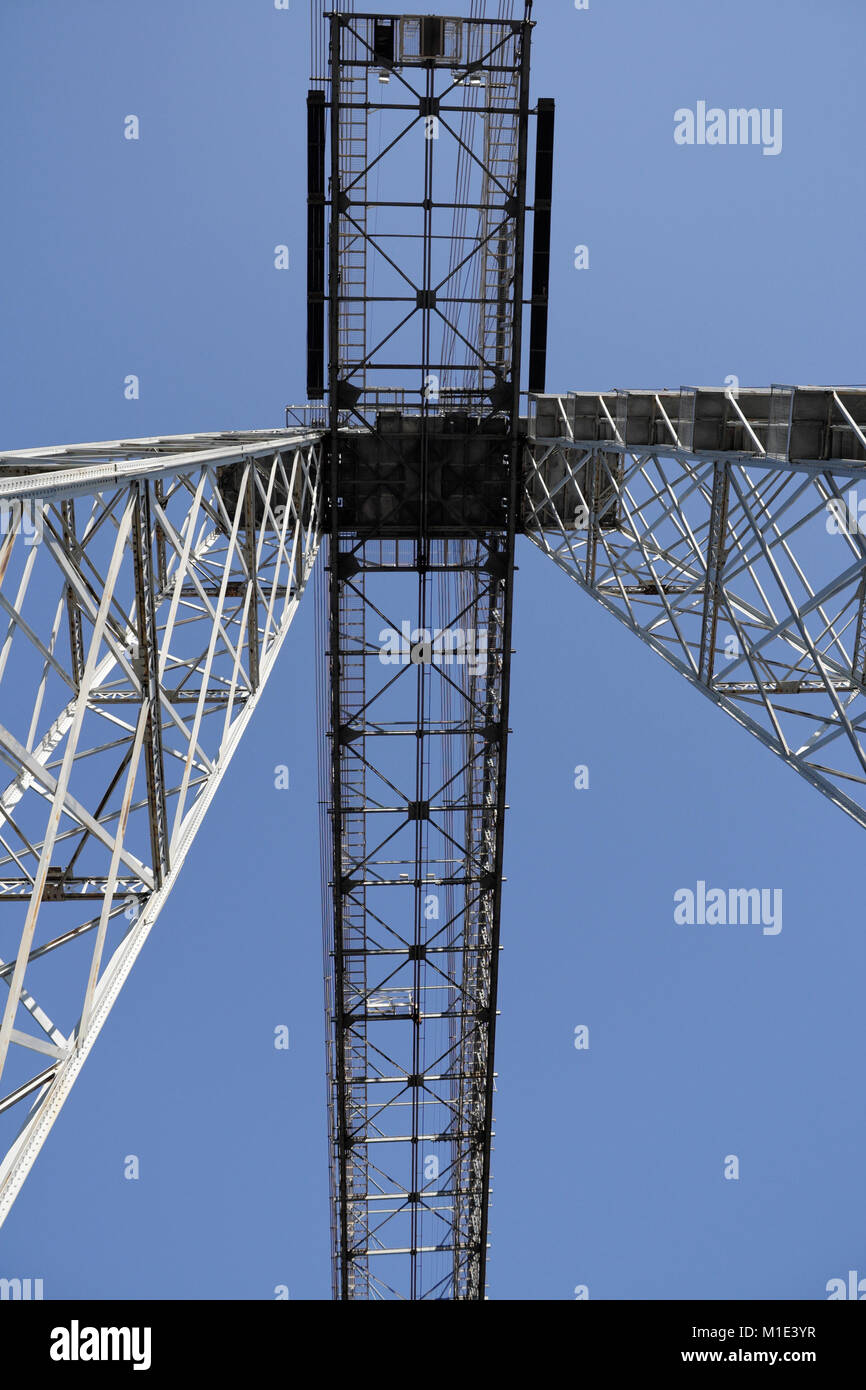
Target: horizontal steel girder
{"type": "Point", "coordinates": [722, 528]}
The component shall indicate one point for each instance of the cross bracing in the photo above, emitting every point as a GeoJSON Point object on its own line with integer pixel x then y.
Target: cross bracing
{"type": "Point", "coordinates": [146, 588]}
{"type": "Point", "coordinates": [420, 739]}
{"type": "Point", "coordinates": [428, 232]}
{"type": "Point", "coordinates": [722, 530]}
{"type": "Point", "coordinates": [740, 562]}
{"type": "Point", "coordinates": [422, 497]}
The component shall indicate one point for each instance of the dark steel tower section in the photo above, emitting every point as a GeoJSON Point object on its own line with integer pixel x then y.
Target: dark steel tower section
{"type": "Point", "coordinates": [428, 123]}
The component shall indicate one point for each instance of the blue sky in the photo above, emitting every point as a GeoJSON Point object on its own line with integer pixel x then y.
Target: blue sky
{"type": "Point", "coordinates": [156, 257]}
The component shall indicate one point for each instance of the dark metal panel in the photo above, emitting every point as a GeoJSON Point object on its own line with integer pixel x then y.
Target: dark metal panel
{"type": "Point", "coordinates": [541, 244]}
{"type": "Point", "coordinates": [315, 245]}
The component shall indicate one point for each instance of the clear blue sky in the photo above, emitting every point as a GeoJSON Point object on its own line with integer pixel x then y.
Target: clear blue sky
{"type": "Point", "coordinates": [155, 257]}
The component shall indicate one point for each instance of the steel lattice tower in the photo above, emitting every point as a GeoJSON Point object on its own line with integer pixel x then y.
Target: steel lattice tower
{"type": "Point", "coordinates": [422, 511]}
{"type": "Point", "coordinates": [140, 630]}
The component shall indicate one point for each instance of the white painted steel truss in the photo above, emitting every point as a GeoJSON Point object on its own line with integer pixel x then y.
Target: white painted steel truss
{"type": "Point", "coordinates": [722, 529]}
{"type": "Point", "coordinates": [146, 588]}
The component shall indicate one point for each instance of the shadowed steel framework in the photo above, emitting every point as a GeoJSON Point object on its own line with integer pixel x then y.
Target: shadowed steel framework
{"type": "Point", "coordinates": [425, 303]}
{"type": "Point", "coordinates": [147, 587]}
